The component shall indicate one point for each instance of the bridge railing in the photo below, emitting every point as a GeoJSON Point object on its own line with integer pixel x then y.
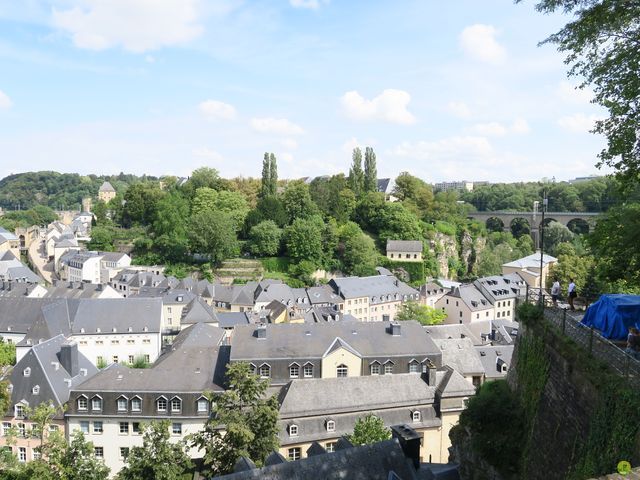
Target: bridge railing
{"type": "Point", "coordinates": [591, 341]}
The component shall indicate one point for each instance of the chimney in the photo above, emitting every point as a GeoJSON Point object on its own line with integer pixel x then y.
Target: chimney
{"type": "Point", "coordinates": [431, 373]}
{"type": "Point", "coordinates": [99, 287]}
{"type": "Point", "coordinates": [69, 358]}
{"type": "Point", "coordinates": [395, 329]}
{"type": "Point", "coordinates": [410, 441]}
{"type": "Point", "coordinates": [261, 332]}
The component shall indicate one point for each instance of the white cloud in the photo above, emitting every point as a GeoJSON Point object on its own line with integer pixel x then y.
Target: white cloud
{"type": "Point", "coordinates": [469, 148]}
{"type": "Point", "coordinates": [149, 59]}
{"type": "Point", "coordinates": [350, 144]}
{"type": "Point", "coordinates": [215, 110]}
{"type": "Point", "coordinates": [204, 152]}
{"type": "Point", "coordinates": [459, 109]}
{"type": "Point", "coordinates": [478, 42]}
{"type": "Point", "coordinates": [569, 93]}
{"type": "Point", "coordinates": [311, 4]}
{"type": "Point", "coordinates": [289, 143]}
{"type": "Point", "coordinates": [390, 106]}
{"type": "Point", "coordinates": [578, 122]}
{"type": "Point", "coordinates": [136, 25]}
{"type": "Point", "coordinates": [520, 125]}
{"type": "Point", "coordinates": [5, 101]}
{"type": "Point", "coordinates": [278, 126]}
{"type": "Point", "coordinates": [493, 129]}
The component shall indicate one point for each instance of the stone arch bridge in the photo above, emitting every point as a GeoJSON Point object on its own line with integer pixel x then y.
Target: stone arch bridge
{"type": "Point", "coordinates": [535, 219]}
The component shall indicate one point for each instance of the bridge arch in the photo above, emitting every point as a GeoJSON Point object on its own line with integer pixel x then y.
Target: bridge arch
{"type": "Point", "coordinates": [578, 226]}
{"type": "Point", "coordinates": [520, 226]}
{"type": "Point", "coordinates": [494, 224]}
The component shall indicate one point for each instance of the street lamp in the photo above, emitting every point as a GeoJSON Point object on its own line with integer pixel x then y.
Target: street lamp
{"type": "Point", "coordinates": [544, 208]}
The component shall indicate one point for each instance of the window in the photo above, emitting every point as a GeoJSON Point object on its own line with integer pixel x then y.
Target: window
{"type": "Point", "coordinates": [176, 404]}
{"type": "Point", "coordinates": [330, 447]}
{"type": "Point", "coordinates": [294, 453]}
{"type": "Point", "coordinates": [22, 454]}
{"type": "Point", "coordinates": [122, 404]}
{"type": "Point", "coordinates": [98, 452]}
{"type": "Point", "coordinates": [124, 428]}
{"type": "Point", "coordinates": [136, 404]}
{"type": "Point", "coordinates": [54, 428]}
{"type": "Point", "coordinates": [293, 430]}
{"type": "Point", "coordinates": [176, 428]}
{"type": "Point", "coordinates": [135, 428]}
{"type": "Point", "coordinates": [20, 410]}
{"type": "Point", "coordinates": [124, 452]}
{"type": "Point", "coordinates": [265, 371]}
{"type": "Point", "coordinates": [375, 369]}
{"type": "Point", "coordinates": [26, 372]}
{"type": "Point", "coordinates": [147, 359]}
{"type": "Point", "coordinates": [294, 370]}
{"type": "Point", "coordinates": [115, 342]}
{"type": "Point", "coordinates": [97, 427]}
{"type": "Point", "coordinates": [115, 359]}
{"type": "Point", "coordinates": [131, 342]}
{"type": "Point", "coordinates": [35, 390]}
{"type": "Point", "coordinates": [331, 426]}
{"type": "Point", "coordinates": [203, 405]}
{"type": "Point", "coordinates": [6, 427]}
{"type": "Point", "coordinates": [22, 430]}
{"type": "Point", "coordinates": [99, 360]}
{"type": "Point", "coordinates": [308, 370]}
{"type": "Point", "coordinates": [131, 359]}
{"type": "Point", "coordinates": [96, 403]}
{"type": "Point", "coordinates": [414, 367]}
{"type": "Point", "coordinates": [342, 370]}
{"type": "Point", "coordinates": [415, 416]}
{"type": "Point", "coordinates": [35, 455]}
{"type": "Point", "coordinates": [388, 368]}
{"type": "Point", "coordinates": [99, 342]}
{"type": "Point", "coordinates": [84, 426]}
{"type": "Point", "coordinates": [161, 403]}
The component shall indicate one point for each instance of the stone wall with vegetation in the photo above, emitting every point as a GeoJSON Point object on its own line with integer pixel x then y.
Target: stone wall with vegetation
{"type": "Point", "coordinates": [560, 415]}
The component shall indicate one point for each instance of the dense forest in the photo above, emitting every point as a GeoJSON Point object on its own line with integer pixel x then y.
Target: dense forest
{"type": "Point", "coordinates": [341, 223]}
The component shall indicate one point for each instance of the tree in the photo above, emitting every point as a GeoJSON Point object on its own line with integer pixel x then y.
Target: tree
{"type": "Point", "coordinates": [101, 239]}
{"type": "Point", "coordinates": [297, 201]}
{"type": "Point", "coordinates": [170, 227]}
{"type": "Point", "coordinates": [7, 354]}
{"type": "Point", "coordinates": [203, 177]}
{"type": "Point", "coordinates": [234, 204]}
{"type": "Point", "coordinates": [212, 233]}
{"type": "Point", "coordinates": [424, 314]}
{"type": "Point", "coordinates": [41, 416]}
{"type": "Point", "coordinates": [356, 175]}
{"type": "Point", "coordinates": [303, 239]}
{"type": "Point", "coordinates": [602, 44]}
{"type": "Point", "coordinates": [265, 188]}
{"type": "Point", "coordinates": [370, 171]}
{"type": "Point", "coordinates": [204, 199]}
{"type": "Point", "coordinates": [250, 423]}
{"type": "Point", "coordinates": [264, 239]}
{"type": "Point", "coordinates": [369, 429]}
{"type": "Point", "coordinates": [273, 175]}
{"type": "Point", "coordinates": [357, 251]}
{"type": "Point", "coordinates": [158, 458]}
{"type": "Point", "coordinates": [140, 204]}
{"type": "Point", "coordinates": [554, 234]}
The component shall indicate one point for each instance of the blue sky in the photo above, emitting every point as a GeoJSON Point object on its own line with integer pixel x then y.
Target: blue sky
{"type": "Point", "coordinates": [445, 90]}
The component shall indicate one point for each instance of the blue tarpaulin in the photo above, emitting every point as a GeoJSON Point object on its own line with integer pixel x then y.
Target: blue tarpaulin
{"type": "Point", "coordinates": [613, 314]}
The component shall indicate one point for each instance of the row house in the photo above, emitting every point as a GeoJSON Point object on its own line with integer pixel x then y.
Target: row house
{"type": "Point", "coordinates": [46, 374]}
{"type": "Point", "coordinates": [110, 407]}
{"type": "Point", "coordinates": [12, 270]}
{"type": "Point", "coordinates": [324, 410]}
{"type": "Point", "coordinates": [373, 298]}
{"type": "Point", "coordinates": [130, 281]}
{"type": "Point", "coordinates": [92, 267]}
{"type": "Point", "coordinates": [284, 352]}
{"type": "Point", "coordinates": [9, 242]}
{"type": "Point", "coordinates": [404, 250]}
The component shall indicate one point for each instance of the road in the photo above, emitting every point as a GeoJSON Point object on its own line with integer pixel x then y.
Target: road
{"type": "Point", "coordinates": [38, 259]}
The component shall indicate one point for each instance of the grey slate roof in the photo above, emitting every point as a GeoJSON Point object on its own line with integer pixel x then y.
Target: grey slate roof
{"type": "Point", "coordinates": [322, 295]}
{"type": "Point", "coordinates": [531, 261]}
{"type": "Point", "coordinates": [374, 286]}
{"type": "Point", "coordinates": [47, 372]}
{"type": "Point", "coordinates": [75, 290]}
{"type": "Point", "coordinates": [498, 287]}
{"type": "Point", "coordinates": [471, 296]}
{"type": "Point", "coordinates": [413, 246]}
{"type": "Point", "coordinates": [326, 396]}
{"type": "Point", "coordinates": [198, 311]}
{"type": "Point", "coordinates": [367, 462]}
{"type": "Point", "coordinates": [490, 356]}
{"type": "Point", "coordinates": [452, 330]}
{"type": "Point", "coordinates": [312, 340]}
{"type": "Point", "coordinates": [451, 384]}
{"type": "Point", "coordinates": [106, 187]}
{"type": "Point", "coordinates": [460, 354]}
{"type": "Point", "coordinates": [231, 319]}
{"type": "Point", "coordinates": [190, 365]}
{"type": "Point", "coordinates": [118, 313]}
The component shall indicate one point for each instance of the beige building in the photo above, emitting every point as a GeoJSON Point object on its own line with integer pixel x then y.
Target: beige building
{"type": "Point", "coordinates": [9, 242]}
{"type": "Point", "coordinates": [106, 193]}
{"type": "Point", "coordinates": [529, 268]}
{"type": "Point", "coordinates": [404, 250]}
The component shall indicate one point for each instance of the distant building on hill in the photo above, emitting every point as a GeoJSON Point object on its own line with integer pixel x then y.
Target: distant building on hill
{"type": "Point", "coordinates": [106, 193]}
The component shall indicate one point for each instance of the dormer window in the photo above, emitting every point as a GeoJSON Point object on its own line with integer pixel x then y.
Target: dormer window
{"type": "Point", "coordinates": [161, 404]}
{"type": "Point", "coordinates": [122, 404]}
{"type": "Point", "coordinates": [136, 404]}
{"type": "Point", "coordinates": [375, 368]}
{"type": "Point", "coordinates": [19, 411]}
{"type": "Point", "coordinates": [82, 403]}
{"type": "Point", "coordinates": [176, 405]}
{"type": "Point", "coordinates": [203, 405]}
{"type": "Point", "coordinates": [293, 430]}
{"type": "Point", "coordinates": [265, 370]}
{"type": "Point", "coordinates": [415, 416]}
{"type": "Point", "coordinates": [294, 370]}
{"type": "Point", "coordinates": [35, 390]}
{"type": "Point", "coordinates": [96, 403]}
{"type": "Point", "coordinates": [388, 368]}
{"type": "Point", "coordinates": [27, 372]}
{"type": "Point", "coordinates": [414, 366]}
{"type": "Point", "coordinates": [342, 371]}
{"type": "Point", "coordinates": [307, 370]}
{"type": "Point", "coordinates": [331, 426]}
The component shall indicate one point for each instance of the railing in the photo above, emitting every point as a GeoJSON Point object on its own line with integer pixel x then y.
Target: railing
{"type": "Point", "coordinates": [592, 342]}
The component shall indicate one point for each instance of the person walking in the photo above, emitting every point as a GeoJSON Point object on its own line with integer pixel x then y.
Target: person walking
{"type": "Point", "coordinates": [633, 343]}
{"type": "Point", "coordinates": [572, 293]}
{"type": "Point", "coordinates": [555, 291]}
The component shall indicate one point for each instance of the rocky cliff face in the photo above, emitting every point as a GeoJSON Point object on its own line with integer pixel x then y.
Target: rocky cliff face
{"type": "Point", "coordinates": [444, 247]}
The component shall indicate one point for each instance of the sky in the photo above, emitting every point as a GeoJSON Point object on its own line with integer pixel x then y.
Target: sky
{"type": "Point", "coordinates": [456, 90]}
